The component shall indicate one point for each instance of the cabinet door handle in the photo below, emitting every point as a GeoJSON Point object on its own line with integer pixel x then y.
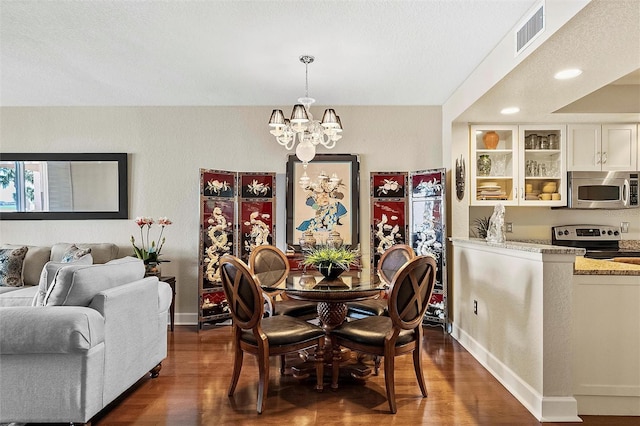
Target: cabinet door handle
{"type": "Point", "coordinates": [604, 157]}
{"type": "Point", "coordinates": [598, 158]}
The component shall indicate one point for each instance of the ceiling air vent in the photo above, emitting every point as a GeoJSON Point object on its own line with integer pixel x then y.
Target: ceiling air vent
{"type": "Point", "coordinates": [531, 29]}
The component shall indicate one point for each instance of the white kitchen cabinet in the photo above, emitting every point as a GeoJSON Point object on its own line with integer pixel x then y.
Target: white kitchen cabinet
{"type": "Point", "coordinates": [519, 171]}
{"type": "Point", "coordinates": [606, 147]}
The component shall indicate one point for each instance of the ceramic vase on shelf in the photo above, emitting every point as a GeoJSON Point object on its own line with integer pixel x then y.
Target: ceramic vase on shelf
{"type": "Point", "coordinates": [491, 139]}
{"type": "Point", "coordinates": [484, 165]}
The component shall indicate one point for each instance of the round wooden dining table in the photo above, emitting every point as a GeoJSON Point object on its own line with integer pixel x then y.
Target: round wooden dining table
{"type": "Point", "coordinates": [332, 297]}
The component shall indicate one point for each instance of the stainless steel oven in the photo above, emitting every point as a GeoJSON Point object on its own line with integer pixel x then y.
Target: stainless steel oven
{"type": "Point", "coordinates": [600, 241]}
{"type": "Point", "coordinates": [603, 190]}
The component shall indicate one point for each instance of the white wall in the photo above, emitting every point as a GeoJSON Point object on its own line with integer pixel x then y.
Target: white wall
{"type": "Point", "coordinates": [168, 145]}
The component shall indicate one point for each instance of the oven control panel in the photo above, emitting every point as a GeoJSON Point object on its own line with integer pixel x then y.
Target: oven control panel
{"type": "Point", "coordinates": [585, 233]}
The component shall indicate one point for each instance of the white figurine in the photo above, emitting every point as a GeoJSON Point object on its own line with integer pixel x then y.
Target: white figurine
{"type": "Point", "coordinates": [495, 232]}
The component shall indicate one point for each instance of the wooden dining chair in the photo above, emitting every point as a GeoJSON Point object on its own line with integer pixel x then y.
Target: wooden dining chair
{"type": "Point", "coordinates": [262, 337]}
{"type": "Point", "coordinates": [271, 266]}
{"type": "Point", "coordinates": [390, 262]}
{"type": "Point", "coordinates": [397, 334]}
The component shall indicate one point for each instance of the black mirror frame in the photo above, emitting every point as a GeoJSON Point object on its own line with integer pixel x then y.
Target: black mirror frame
{"type": "Point", "coordinates": [123, 193]}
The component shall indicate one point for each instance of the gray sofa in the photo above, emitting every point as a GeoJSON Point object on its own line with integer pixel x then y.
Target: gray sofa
{"type": "Point", "coordinates": [103, 328]}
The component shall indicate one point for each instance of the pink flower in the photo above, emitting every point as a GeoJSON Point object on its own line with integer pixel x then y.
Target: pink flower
{"type": "Point", "coordinates": [149, 251]}
{"type": "Point", "coordinates": [142, 221]}
{"type": "Point", "coordinates": [164, 221]}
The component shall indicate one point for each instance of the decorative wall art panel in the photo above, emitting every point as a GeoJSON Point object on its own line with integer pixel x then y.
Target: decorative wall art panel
{"type": "Point", "coordinates": [389, 224]}
{"type": "Point", "coordinates": [218, 237]}
{"type": "Point", "coordinates": [256, 225]}
{"type": "Point", "coordinates": [409, 208]}
{"type": "Point", "coordinates": [237, 213]}
{"type": "Point", "coordinates": [217, 183]}
{"type": "Point", "coordinates": [389, 185]}
{"type": "Point", "coordinates": [427, 183]}
{"type": "Point", "coordinates": [323, 198]}
{"type": "Point", "coordinates": [257, 185]}
{"type": "Point", "coordinates": [428, 234]}
{"type": "Point", "coordinates": [389, 221]}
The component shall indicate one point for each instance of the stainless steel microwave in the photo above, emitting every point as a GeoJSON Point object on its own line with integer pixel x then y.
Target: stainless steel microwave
{"type": "Point", "coordinates": [603, 190]}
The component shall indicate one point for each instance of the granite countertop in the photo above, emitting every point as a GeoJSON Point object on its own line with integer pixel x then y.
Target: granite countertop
{"type": "Point", "coordinates": [533, 246]}
{"type": "Point", "coordinates": [585, 266]}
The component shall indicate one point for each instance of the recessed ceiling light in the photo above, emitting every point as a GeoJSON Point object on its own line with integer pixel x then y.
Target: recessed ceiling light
{"type": "Point", "coordinates": [510, 110]}
{"type": "Point", "coordinates": [567, 74]}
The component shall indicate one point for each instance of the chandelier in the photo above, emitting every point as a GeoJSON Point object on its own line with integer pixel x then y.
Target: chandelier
{"type": "Point", "coordinates": [302, 128]}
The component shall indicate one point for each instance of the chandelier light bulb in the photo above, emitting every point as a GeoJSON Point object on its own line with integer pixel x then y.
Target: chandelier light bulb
{"type": "Point", "coordinates": [305, 151]}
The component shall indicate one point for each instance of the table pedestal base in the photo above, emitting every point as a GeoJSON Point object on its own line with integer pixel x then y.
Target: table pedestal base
{"type": "Point", "coordinates": [331, 315]}
{"type": "Point", "coordinates": [350, 368]}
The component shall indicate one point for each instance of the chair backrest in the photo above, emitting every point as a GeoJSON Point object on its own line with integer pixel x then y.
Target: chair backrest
{"type": "Point", "coordinates": [243, 294]}
{"type": "Point", "coordinates": [392, 260]}
{"type": "Point", "coordinates": [269, 264]}
{"type": "Point", "coordinates": [411, 292]}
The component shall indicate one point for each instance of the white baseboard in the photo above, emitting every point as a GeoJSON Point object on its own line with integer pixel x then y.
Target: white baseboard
{"type": "Point", "coordinates": [544, 409]}
{"type": "Point", "coordinates": [606, 405]}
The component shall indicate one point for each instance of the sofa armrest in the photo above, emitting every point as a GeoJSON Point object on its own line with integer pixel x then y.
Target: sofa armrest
{"type": "Point", "coordinates": [54, 329]}
{"type": "Point", "coordinates": [135, 338]}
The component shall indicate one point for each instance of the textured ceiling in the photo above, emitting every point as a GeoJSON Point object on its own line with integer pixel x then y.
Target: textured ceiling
{"type": "Point", "coordinates": [78, 53]}
{"type": "Point", "coordinates": [603, 40]}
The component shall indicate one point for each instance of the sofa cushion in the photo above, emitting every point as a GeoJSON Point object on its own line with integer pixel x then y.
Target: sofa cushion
{"type": "Point", "coordinates": [76, 285]}
{"type": "Point", "coordinates": [48, 275]}
{"type": "Point", "coordinates": [34, 261]}
{"type": "Point", "coordinates": [74, 253]}
{"type": "Point", "coordinates": [22, 296]}
{"type": "Point", "coordinates": [101, 252]}
{"type": "Point", "coordinates": [11, 261]}
{"type": "Point", "coordinates": [69, 330]}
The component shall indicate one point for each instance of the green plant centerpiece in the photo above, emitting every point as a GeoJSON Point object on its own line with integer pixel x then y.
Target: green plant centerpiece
{"type": "Point", "coordinates": [330, 260]}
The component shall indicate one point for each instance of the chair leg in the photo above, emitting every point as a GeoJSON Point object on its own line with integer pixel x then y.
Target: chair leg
{"type": "Point", "coordinates": [320, 365]}
{"type": "Point", "coordinates": [237, 366]}
{"type": "Point", "coordinates": [389, 381]}
{"type": "Point", "coordinates": [376, 365]}
{"type": "Point", "coordinates": [417, 366]}
{"type": "Point", "coordinates": [283, 365]}
{"type": "Point", "coordinates": [263, 373]}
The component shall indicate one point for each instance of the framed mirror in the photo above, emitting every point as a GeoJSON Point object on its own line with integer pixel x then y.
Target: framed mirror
{"type": "Point", "coordinates": [63, 186]}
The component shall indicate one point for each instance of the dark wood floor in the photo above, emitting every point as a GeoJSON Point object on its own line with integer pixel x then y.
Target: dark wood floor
{"type": "Point", "coordinates": [192, 388]}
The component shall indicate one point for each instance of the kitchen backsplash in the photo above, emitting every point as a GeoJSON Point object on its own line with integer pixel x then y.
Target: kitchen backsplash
{"type": "Point", "coordinates": [534, 223]}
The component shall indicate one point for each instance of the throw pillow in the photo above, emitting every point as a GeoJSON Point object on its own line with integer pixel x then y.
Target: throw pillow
{"type": "Point", "coordinates": [11, 261]}
{"type": "Point", "coordinates": [49, 273]}
{"type": "Point", "coordinates": [74, 253]}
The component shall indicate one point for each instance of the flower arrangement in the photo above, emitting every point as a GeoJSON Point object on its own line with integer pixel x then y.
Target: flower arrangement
{"type": "Point", "coordinates": [149, 252]}
{"type": "Point", "coordinates": [330, 258]}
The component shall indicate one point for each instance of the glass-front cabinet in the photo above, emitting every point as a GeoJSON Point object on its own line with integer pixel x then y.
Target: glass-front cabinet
{"type": "Point", "coordinates": [494, 168]}
{"type": "Point", "coordinates": [518, 165]}
{"type": "Point", "coordinates": [543, 166]}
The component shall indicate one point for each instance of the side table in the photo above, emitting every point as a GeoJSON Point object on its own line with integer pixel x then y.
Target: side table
{"type": "Point", "coordinates": [171, 280]}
